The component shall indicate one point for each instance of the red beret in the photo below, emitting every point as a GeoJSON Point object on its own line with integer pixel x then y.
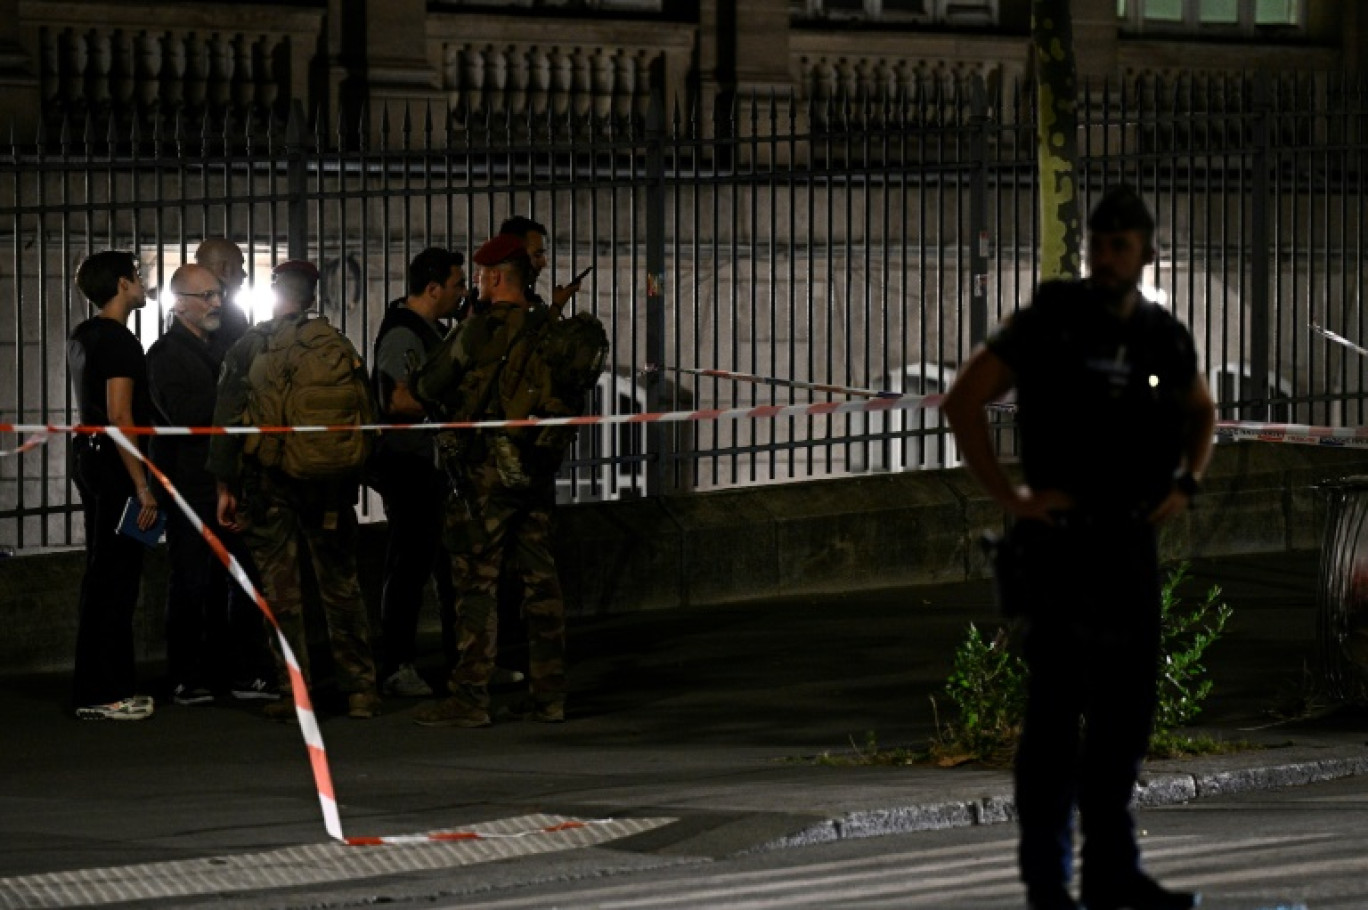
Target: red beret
{"type": "Point", "coordinates": [299, 266]}
{"type": "Point", "coordinates": [500, 248]}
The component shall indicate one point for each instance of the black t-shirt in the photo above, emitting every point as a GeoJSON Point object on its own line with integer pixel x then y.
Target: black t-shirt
{"type": "Point", "coordinates": [99, 350]}
{"type": "Point", "coordinates": [1100, 401]}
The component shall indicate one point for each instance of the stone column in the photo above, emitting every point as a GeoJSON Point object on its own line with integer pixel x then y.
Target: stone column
{"type": "Point", "coordinates": [378, 60]}
{"type": "Point", "coordinates": [744, 54]}
{"type": "Point", "coordinates": [18, 80]}
{"type": "Point", "coordinates": [1096, 40]}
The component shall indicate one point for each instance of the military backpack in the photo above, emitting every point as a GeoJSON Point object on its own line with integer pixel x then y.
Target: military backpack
{"type": "Point", "coordinates": [309, 374]}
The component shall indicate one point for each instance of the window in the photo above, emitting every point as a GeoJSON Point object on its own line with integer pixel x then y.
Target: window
{"type": "Point", "coordinates": [1248, 17]}
{"type": "Point", "coordinates": [954, 12]}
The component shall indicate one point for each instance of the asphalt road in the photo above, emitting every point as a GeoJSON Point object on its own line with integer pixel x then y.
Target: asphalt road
{"type": "Point", "coordinates": [1298, 848]}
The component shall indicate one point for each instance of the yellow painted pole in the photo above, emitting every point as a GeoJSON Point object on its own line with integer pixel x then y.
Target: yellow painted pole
{"type": "Point", "coordinates": [1057, 137]}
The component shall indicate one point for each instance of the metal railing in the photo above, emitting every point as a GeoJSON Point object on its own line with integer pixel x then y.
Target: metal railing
{"type": "Point", "coordinates": [867, 244]}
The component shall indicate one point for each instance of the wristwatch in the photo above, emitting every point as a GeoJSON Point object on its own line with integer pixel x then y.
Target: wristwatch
{"type": "Point", "coordinates": [1186, 483]}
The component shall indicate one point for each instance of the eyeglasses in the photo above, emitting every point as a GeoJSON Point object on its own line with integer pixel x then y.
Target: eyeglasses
{"type": "Point", "coordinates": [206, 296]}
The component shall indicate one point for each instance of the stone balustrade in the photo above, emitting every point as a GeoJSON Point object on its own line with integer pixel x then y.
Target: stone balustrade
{"type": "Point", "coordinates": [207, 57]}
{"type": "Point", "coordinates": [488, 66]}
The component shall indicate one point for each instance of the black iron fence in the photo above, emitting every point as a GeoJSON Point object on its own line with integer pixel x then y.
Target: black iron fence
{"type": "Point", "coordinates": [866, 245]}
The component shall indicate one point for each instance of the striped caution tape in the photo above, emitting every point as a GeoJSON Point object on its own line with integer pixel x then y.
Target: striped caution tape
{"type": "Point", "coordinates": [446, 837]}
{"type": "Point", "coordinates": [308, 722]}
{"type": "Point", "coordinates": [1293, 433]}
{"type": "Point", "coordinates": [761, 412]}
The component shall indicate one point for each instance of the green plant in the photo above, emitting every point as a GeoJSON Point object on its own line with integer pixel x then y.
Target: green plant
{"type": "Point", "coordinates": [987, 684]}
{"type": "Point", "coordinates": [987, 687]}
{"type": "Point", "coordinates": [1185, 636]}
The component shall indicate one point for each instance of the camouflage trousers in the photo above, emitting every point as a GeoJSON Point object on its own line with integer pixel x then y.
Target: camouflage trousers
{"type": "Point", "coordinates": [279, 523]}
{"type": "Point", "coordinates": [511, 530]}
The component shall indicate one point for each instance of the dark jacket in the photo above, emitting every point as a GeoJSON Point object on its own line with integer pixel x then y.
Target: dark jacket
{"type": "Point", "coordinates": [182, 374]}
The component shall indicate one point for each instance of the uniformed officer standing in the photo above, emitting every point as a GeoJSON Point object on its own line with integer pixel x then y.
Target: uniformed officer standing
{"type": "Point", "coordinates": [503, 516]}
{"type": "Point", "coordinates": [1115, 429]}
{"type": "Point", "coordinates": [277, 513]}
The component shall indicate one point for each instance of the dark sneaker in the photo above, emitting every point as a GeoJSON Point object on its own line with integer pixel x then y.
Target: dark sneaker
{"type": "Point", "coordinates": [1142, 893]}
{"type": "Point", "coordinates": [363, 705]}
{"type": "Point", "coordinates": [257, 689]}
{"type": "Point", "coordinates": [192, 695]}
{"type": "Point", "coordinates": [124, 709]}
{"type": "Point", "coordinates": [406, 683]}
{"type": "Point", "coordinates": [451, 712]}
{"type": "Point", "coordinates": [543, 712]}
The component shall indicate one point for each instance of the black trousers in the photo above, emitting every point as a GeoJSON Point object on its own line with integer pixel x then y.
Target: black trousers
{"type": "Point", "coordinates": [414, 494]}
{"type": "Point", "coordinates": [1092, 645]}
{"type": "Point", "coordinates": [104, 667]}
{"type": "Point", "coordinates": [215, 634]}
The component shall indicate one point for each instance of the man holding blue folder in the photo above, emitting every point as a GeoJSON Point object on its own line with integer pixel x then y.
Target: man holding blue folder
{"type": "Point", "coordinates": [109, 376]}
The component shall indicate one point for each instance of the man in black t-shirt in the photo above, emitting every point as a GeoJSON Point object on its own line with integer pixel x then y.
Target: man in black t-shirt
{"type": "Point", "coordinates": [109, 376]}
{"type": "Point", "coordinates": [1115, 428]}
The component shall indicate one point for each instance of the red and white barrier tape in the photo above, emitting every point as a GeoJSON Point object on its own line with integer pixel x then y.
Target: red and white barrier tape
{"type": "Point", "coordinates": [1294, 433]}
{"type": "Point", "coordinates": [762, 412]}
{"type": "Point", "coordinates": [787, 383]}
{"type": "Point", "coordinates": [308, 722]}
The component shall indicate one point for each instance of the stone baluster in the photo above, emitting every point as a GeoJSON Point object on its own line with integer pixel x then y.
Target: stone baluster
{"type": "Point", "coordinates": [50, 63]}
{"type": "Point", "coordinates": [624, 84]}
{"type": "Point", "coordinates": [73, 66]}
{"type": "Point", "coordinates": [582, 88]}
{"type": "Point", "coordinates": [562, 81]}
{"type": "Point", "coordinates": [244, 72]}
{"type": "Point", "coordinates": [519, 77]}
{"type": "Point", "coordinates": [269, 71]}
{"type": "Point", "coordinates": [196, 70]}
{"type": "Point", "coordinates": [496, 80]}
{"type": "Point", "coordinates": [174, 71]}
{"type": "Point", "coordinates": [643, 86]}
{"type": "Point", "coordinates": [121, 69]}
{"type": "Point", "coordinates": [602, 90]}
{"type": "Point", "coordinates": [149, 68]}
{"type": "Point", "coordinates": [472, 85]}
{"type": "Point", "coordinates": [540, 78]}
{"type": "Point", "coordinates": [219, 76]}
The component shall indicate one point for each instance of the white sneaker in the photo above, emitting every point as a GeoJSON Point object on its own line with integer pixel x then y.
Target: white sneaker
{"type": "Point", "coordinates": [502, 676]}
{"type": "Point", "coordinates": [126, 709]}
{"type": "Point", "coordinates": [406, 683]}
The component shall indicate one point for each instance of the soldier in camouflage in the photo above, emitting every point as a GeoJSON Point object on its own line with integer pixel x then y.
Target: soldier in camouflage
{"type": "Point", "coordinates": [500, 515]}
{"type": "Point", "coordinates": [276, 513]}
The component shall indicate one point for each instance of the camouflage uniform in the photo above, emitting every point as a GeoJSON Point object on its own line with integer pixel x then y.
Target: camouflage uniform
{"type": "Point", "coordinates": [513, 526]}
{"type": "Point", "coordinates": [278, 513]}
{"type": "Point", "coordinates": [490, 526]}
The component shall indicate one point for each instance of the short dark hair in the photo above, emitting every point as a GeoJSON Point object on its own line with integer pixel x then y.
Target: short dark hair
{"type": "Point", "coordinates": [520, 267]}
{"type": "Point", "coordinates": [521, 225]}
{"type": "Point", "coordinates": [1122, 209]}
{"type": "Point", "coordinates": [432, 264]}
{"type": "Point", "coordinates": [98, 277]}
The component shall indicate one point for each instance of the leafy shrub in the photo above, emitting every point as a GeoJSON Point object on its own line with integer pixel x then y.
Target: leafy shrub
{"type": "Point", "coordinates": [987, 685]}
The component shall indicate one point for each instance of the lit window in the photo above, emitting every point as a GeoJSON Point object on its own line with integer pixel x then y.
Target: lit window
{"type": "Point", "coordinates": [976, 12]}
{"type": "Point", "coordinates": [1198, 16]}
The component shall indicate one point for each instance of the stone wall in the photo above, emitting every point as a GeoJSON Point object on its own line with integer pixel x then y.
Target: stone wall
{"type": "Point", "coordinates": [821, 538]}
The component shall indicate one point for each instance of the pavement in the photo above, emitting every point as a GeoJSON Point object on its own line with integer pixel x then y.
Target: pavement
{"type": "Point", "coordinates": [691, 734]}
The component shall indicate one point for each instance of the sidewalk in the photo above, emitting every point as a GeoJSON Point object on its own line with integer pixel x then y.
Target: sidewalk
{"type": "Point", "coordinates": [707, 718]}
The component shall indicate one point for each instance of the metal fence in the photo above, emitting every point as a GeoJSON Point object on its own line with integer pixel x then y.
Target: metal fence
{"type": "Point", "coordinates": [864, 245]}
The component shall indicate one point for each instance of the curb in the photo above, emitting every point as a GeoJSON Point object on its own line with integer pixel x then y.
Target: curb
{"type": "Point", "coordinates": [1151, 791]}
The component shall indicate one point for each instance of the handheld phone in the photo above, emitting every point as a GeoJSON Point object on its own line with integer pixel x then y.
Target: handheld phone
{"type": "Point", "coordinates": [581, 276]}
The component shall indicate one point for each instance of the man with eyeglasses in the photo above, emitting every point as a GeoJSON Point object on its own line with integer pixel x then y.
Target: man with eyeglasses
{"type": "Point", "coordinates": [109, 377]}
{"type": "Point", "coordinates": [224, 259]}
{"type": "Point", "coordinates": [214, 642]}
{"type": "Point", "coordinates": [404, 469]}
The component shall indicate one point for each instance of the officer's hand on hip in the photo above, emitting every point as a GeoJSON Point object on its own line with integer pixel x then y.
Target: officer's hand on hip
{"type": "Point", "coordinates": [1039, 505]}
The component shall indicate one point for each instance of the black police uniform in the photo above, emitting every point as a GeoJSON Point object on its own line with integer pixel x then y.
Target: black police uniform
{"type": "Point", "coordinates": [1101, 417]}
